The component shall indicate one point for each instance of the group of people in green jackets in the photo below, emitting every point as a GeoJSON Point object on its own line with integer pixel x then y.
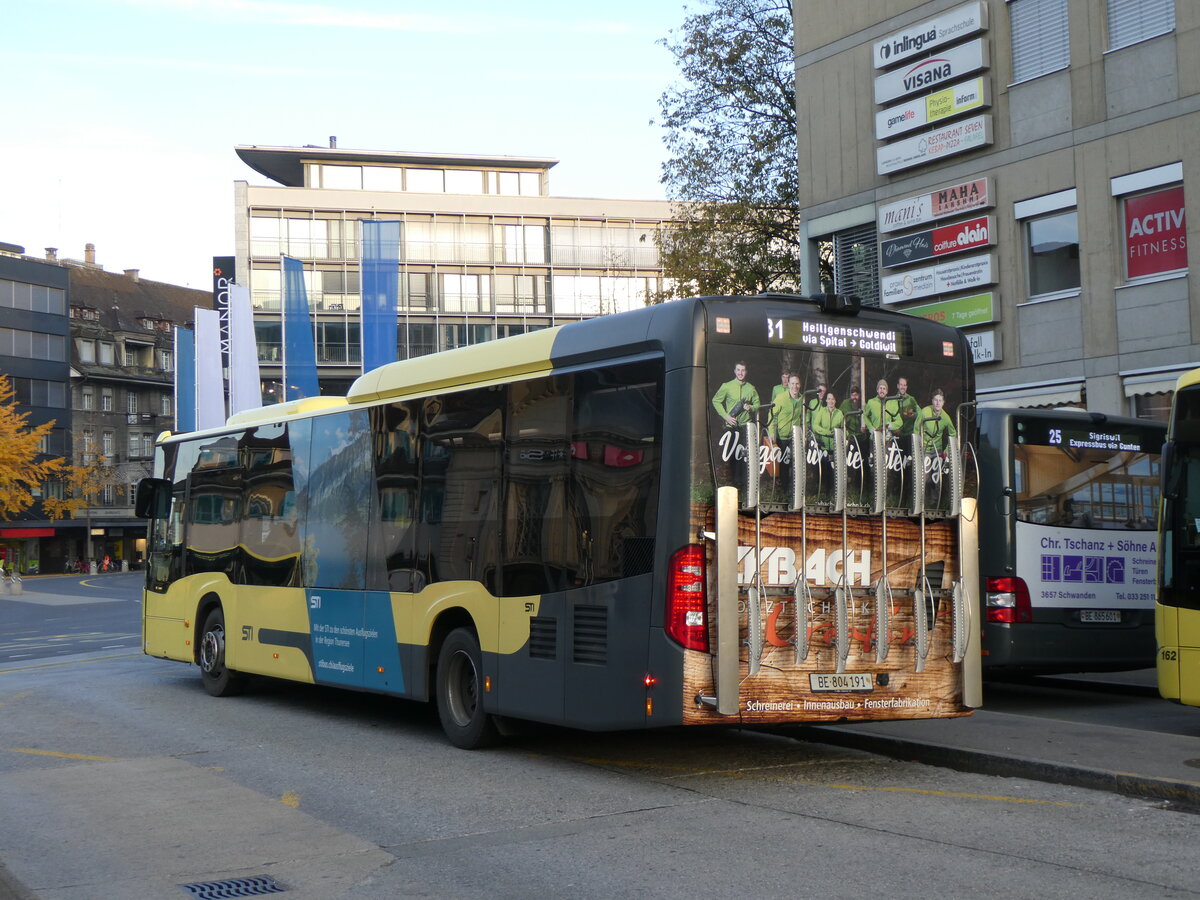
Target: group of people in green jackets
{"type": "Point", "coordinates": [897, 414]}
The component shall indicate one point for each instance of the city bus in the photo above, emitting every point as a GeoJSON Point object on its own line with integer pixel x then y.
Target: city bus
{"type": "Point", "coordinates": [1067, 540]}
{"type": "Point", "coordinates": [1177, 605]}
{"type": "Point", "coordinates": [604, 525]}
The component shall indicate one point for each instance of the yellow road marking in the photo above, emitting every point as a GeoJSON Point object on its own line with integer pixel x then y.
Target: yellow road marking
{"type": "Point", "coordinates": [758, 772]}
{"type": "Point", "coordinates": [60, 755]}
{"type": "Point", "coordinates": [290, 798]}
{"type": "Point", "coordinates": [14, 697]}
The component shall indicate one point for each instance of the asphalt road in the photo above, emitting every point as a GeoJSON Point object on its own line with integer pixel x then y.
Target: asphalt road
{"type": "Point", "coordinates": [121, 778]}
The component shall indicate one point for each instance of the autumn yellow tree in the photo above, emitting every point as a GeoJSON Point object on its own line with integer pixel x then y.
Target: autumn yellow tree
{"type": "Point", "coordinates": [23, 465]}
{"type": "Point", "coordinates": [82, 485]}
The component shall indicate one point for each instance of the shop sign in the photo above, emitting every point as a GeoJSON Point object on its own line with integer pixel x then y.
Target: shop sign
{"type": "Point", "coordinates": [969, 134]}
{"type": "Point", "coordinates": [945, 241]}
{"type": "Point", "coordinates": [966, 196]}
{"type": "Point", "coordinates": [946, 278]}
{"type": "Point", "coordinates": [984, 346]}
{"type": "Point", "coordinates": [921, 111]}
{"type": "Point", "coordinates": [963, 312]}
{"type": "Point", "coordinates": [934, 71]}
{"type": "Point", "coordinates": [925, 36]}
{"type": "Point", "coordinates": [1155, 233]}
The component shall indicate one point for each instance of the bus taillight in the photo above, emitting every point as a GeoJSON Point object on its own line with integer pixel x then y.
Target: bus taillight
{"type": "Point", "coordinates": [687, 598]}
{"type": "Point", "coordinates": [1008, 600]}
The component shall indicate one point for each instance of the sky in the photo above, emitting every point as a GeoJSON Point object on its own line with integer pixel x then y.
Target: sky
{"type": "Point", "coordinates": [120, 117]}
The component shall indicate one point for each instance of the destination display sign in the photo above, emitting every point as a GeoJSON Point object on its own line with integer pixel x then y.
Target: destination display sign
{"type": "Point", "coordinates": [963, 197]}
{"type": "Point", "coordinates": [1050, 433]}
{"type": "Point", "coordinates": [921, 111]}
{"type": "Point", "coordinates": [935, 71]}
{"type": "Point", "coordinates": [856, 338]}
{"type": "Point", "coordinates": [951, 26]}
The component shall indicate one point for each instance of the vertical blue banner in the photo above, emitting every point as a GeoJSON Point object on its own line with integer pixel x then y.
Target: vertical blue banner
{"type": "Point", "coordinates": [380, 291]}
{"type": "Point", "coordinates": [299, 351]}
{"type": "Point", "coordinates": [185, 380]}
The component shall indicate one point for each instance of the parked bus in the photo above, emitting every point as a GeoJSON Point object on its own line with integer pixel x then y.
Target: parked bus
{"type": "Point", "coordinates": [602, 525]}
{"type": "Point", "coordinates": [1067, 540]}
{"type": "Point", "coordinates": [1177, 606]}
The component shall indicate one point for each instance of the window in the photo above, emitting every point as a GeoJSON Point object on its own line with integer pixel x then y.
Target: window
{"type": "Point", "coordinates": [1053, 253]}
{"type": "Point", "coordinates": [106, 353]}
{"type": "Point", "coordinates": [341, 177]}
{"type": "Point", "coordinates": [1040, 42]}
{"type": "Point", "coordinates": [107, 495]}
{"type": "Point", "coordinates": [53, 489]}
{"type": "Point", "coordinates": [86, 351]}
{"type": "Point", "coordinates": [164, 404]}
{"type": "Point", "coordinates": [87, 398]}
{"type": "Point", "coordinates": [1154, 221]}
{"type": "Point", "coordinates": [166, 360]}
{"type": "Point", "coordinates": [147, 445]}
{"type": "Point", "coordinates": [106, 399]}
{"type": "Point", "coordinates": [131, 402]}
{"type": "Point", "coordinates": [382, 178]}
{"type": "Point", "coordinates": [856, 263]}
{"type": "Point", "coordinates": [1131, 21]}
{"type": "Point", "coordinates": [1051, 227]}
{"type": "Point", "coordinates": [89, 446]}
{"type": "Point", "coordinates": [106, 444]}
{"type": "Point", "coordinates": [135, 444]}
{"type": "Point", "coordinates": [426, 181]}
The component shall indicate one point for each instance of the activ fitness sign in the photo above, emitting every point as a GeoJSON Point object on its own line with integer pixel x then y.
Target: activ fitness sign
{"type": "Point", "coordinates": [944, 241]}
{"type": "Point", "coordinates": [925, 36]}
{"type": "Point", "coordinates": [939, 69]}
{"type": "Point", "coordinates": [1155, 233]}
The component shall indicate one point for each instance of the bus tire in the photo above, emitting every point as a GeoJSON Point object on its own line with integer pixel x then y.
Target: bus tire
{"type": "Point", "coordinates": [460, 692]}
{"type": "Point", "coordinates": [218, 680]}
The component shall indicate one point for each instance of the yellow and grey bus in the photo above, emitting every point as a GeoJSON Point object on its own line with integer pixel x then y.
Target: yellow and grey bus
{"type": "Point", "coordinates": [1177, 606]}
{"type": "Point", "coordinates": [675, 515]}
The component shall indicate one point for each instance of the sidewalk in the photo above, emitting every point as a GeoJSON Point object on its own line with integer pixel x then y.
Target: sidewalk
{"type": "Point", "coordinates": [1161, 765]}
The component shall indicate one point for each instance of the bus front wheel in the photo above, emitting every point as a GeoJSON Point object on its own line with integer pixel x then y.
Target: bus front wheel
{"type": "Point", "coordinates": [460, 692]}
{"type": "Point", "coordinates": [217, 679]}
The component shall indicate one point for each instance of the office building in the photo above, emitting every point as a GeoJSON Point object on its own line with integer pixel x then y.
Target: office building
{"type": "Point", "coordinates": [1022, 169]}
{"type": "Point", "coordinates": [485, 250]}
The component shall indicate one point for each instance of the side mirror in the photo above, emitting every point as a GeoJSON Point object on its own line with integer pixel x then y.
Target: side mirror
{"type": "Point", "coordinates": [152, 499]}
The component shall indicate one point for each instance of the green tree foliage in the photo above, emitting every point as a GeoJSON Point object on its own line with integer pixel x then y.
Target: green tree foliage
{"type": "Point", "coordinates": [731, 138]}
{"type": "Point", "coordinates": [23, 467]}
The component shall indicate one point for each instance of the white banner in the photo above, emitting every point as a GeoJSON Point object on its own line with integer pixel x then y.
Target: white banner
{"type": "Point", "coordinates": [942, 203]}
{"type": "Point", "coordinates": [210, 380]}
{"type": "Point", "coordinates": [921, 111]}
{"type": "Point", "coordinates": [245, 389]}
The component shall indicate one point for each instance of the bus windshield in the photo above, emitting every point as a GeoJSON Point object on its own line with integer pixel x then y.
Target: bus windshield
{"type": "Point", "coordinates": [1085, 477]}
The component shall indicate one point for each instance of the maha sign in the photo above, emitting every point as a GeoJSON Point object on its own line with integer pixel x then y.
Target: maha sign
{"type": "Point", "coordinates": [1155, 233]}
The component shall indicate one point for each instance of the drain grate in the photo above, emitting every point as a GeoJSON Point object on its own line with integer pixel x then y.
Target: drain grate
{"type": "Point", "coordinates": [234, 887]}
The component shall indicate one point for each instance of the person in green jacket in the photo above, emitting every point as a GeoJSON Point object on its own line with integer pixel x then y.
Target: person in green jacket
{"type": "Point", "coordinates": [826, 420]}
{"type": "Point", "coordinates": [881, 413]}
{"type": "Point", "coordinates": [936, 424]}
{"type": "Point", "coordinates": [815, 403]}
{"type": "Point", "coordinates": [852, 409]}
{"type": "Point", "coordinates": [907, 407]}
{"type": "Point", "coordinates": [781, 389]}
{"type": "Point", "coordinates": [788, 410]}
{"type": "Point", "coordinates": [733, 399]}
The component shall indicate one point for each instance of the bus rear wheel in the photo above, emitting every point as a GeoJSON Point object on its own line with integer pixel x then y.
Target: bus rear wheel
{"type": "Point", "coordinates": [460, 692]}
{"type": "Point", "coordinates": [216, 677]}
